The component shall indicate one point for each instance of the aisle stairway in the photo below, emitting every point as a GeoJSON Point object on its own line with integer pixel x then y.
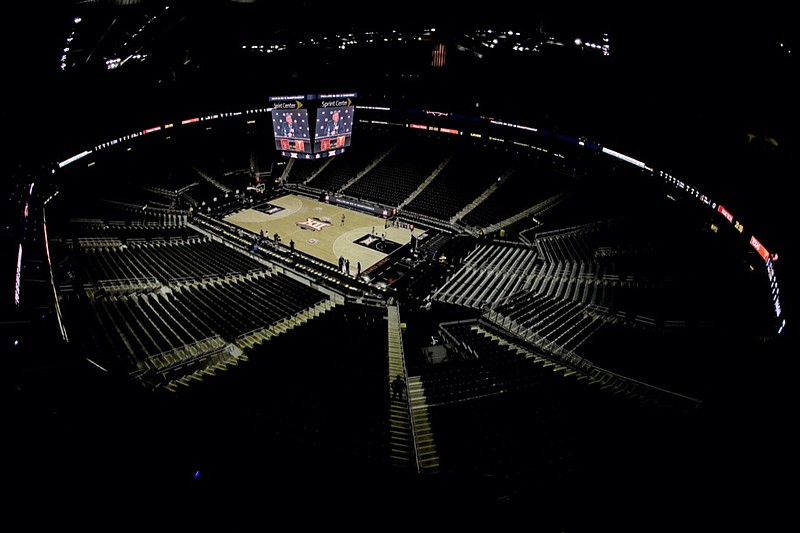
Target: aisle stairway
{"type": "Point", "coordinates": [412, 442]}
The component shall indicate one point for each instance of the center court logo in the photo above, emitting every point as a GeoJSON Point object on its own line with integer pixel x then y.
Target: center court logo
{"type": "Point", "coordinates": [313, 224]}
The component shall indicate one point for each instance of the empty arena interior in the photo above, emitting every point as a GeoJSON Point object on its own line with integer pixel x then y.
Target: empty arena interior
{"type": "Point", "coordinates": [578, 330]}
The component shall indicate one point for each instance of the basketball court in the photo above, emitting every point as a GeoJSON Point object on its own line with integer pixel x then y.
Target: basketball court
{"type": "Point", "coordinates": [327, 231]}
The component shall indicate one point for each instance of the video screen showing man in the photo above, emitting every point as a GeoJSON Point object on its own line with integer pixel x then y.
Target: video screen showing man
{"type": "Point", "coordinates": [291, 130]}
{"type": "Point", "coordinates": [287, 126]}
{"type": "Point", "coordinates": [334, 128]}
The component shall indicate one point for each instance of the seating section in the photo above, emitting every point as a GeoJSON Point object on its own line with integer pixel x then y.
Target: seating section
{"type": "Point", "coordinates": [399, 173]}
{"type": "Point", "coordinates": [523, 186]}
{"type": "Point", "coordinates": [547, 320]}
{"type": "Point", "coordinates": [169, 304]}
{"type": "Point", "coordinates": [489, 274]}
{"type": "Point", "coordinates": [582, 292]}
{"type": "Point", "coordinates": [334, 173]}
{"type": "Point", "coordinates": [466, 175]}
{"type": "Point", "coordinates": [167, 261]}
{"type": "Point", "coordinates": [94, 232]}
{"type": "Point", "coordinates": [149, 330]}
{"type": "Point", "coordinates": [499, 410]}
{"type": "Point", "coordinates": [301, 170]}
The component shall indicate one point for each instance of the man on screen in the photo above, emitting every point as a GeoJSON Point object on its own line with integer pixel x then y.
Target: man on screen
{"type": "Point", "coordinates": [287, 126]}
{"type": "Point", "coordinates": [332, 126]}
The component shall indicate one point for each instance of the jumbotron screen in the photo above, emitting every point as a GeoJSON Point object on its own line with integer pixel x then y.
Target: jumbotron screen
{"type": "Point", "coordinates": [290, 125]}
{"type": "Point", "coordinates": [332, 125]}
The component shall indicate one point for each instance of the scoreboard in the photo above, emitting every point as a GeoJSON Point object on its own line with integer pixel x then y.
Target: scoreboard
{"type": "Point", "coordinates": [332, 124]}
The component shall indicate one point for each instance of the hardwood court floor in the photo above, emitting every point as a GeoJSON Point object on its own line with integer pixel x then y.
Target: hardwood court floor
{"type": "Point", "coordinates": [317, 230]}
